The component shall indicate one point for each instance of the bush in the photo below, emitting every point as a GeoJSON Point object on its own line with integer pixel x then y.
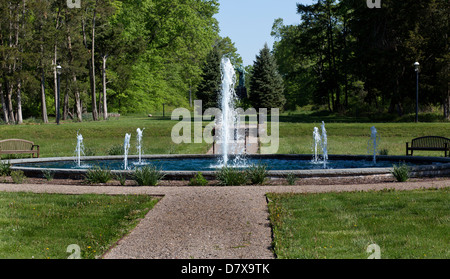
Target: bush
{"type": "Point", "coordinates": [198, 180]}
{"type": "Point", "coordinates": [48, 174]}
{"type": "Point", "coordinates": [18, 176]}
{"type": "Point", "coordinates": [148, 176]}
{"type": "Point", "coordinates": [291, 179]}
{"type": "Point", "coordinates": [116, 149]}
{"type": "Point", "coordinates": [232, 177]}
{"type": "Point", "coordinates": [257, 174]}
{"type": "Point", "coordinates": [98, 175]}
{"type": "Point", "coordinates": [401, 172]}
{"type": "Point", "coordinates": [5, 168]}
{"type": "Point", "coordinates": [122, 178]}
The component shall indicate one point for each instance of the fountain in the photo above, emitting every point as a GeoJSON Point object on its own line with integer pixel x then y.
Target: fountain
{"type": "Point", "coordinates": [79, 149]}
{"type": "Point", "coordinates": [372, 147]}
{"type": "Point", "coordinates": [229, 123]}
{"type": "Point", "coordinates": [139, 144]}
{"type": "Point", "coordinates": [126, 147]}
{"type": "Point", "coordinates": [317, 142]}
{"type": "Point", "coordinates": [320, 139]}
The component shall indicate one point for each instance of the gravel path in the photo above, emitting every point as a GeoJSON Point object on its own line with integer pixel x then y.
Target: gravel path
{"type": "Point", "coordinates": [205, 222]}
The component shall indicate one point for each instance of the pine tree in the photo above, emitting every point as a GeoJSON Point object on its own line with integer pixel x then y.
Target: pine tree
{"type": "Point", "coordinates": [266, 84]}
{"type": "Point", "coordinates": [209, 88]}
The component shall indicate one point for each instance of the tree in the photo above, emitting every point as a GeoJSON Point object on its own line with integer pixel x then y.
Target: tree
{"type": "Point", "coordinates": [266, 84]}
{"type": "Point", "coordinates": [209, 89]}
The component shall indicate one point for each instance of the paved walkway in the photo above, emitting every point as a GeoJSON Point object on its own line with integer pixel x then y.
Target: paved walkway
{"type": "Point", "coordinates": [205, 222]}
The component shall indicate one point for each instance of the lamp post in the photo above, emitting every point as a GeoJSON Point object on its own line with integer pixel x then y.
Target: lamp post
{"type": "Point", "coordinates": [58, 73]}
{"type": "Point", "coordinates": [417, 66]}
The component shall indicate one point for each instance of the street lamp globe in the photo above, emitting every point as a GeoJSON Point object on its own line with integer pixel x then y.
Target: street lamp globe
{"type": "Point", "coordinates": [58, 69]}
{"type": "Point", "coordinates": [417, 65]}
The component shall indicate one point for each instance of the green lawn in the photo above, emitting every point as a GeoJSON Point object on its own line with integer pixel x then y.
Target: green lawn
{"type": "Point", "coordinates": [346, 137]}
{"type": "Point", "coordinates": [404, 224]}
{"type": "Point", "coordinates": [42, 226]}
{"type": "Point", "coordinates": [100, 136]}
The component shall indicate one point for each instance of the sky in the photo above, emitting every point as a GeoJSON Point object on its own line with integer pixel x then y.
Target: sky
{"type": "Point", "coordinates": [248, 23]}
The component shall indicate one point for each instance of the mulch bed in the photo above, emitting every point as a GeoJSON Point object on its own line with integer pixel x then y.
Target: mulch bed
{"type": "Point", "coordinates": [270, 182]}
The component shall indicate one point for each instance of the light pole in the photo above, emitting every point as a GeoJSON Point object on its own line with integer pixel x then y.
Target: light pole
{"type": "Point", "coordinates": [58, 73]}
{"type": "Point", "coordinates": [417, 66]}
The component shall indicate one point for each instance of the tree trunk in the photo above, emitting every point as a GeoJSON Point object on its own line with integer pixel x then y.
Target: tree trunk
{"type": "Point", "coordinates": [447, 104]}
{"type": "Point", "coordinates": [19, 102]}
{"type": "Point", "coordinates": [105, 107]}
{"type": "Point", "coordinates": [4, 109]}
{"type": "Point", "coordinates": [92, 70]}
{"type": "Point", "coordinates": [43, 101]}
{"type": "Point", "coordinates": [66, 106]}
{"type": "Point", "coordinates": [9, 105]}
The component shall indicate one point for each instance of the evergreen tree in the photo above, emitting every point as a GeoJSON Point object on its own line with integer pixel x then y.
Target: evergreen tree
{"type": "Point", "coordinates": [209, 88]}
{"type": "Point", "coordinates": [266, 84]}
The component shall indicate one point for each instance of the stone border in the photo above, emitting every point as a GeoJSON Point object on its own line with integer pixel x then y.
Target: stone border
{"type": "Point", "coordinates": [440, 170]}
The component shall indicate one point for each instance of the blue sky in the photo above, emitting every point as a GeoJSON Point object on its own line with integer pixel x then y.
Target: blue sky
{"type": "Point", "coordinates": [248, 23]}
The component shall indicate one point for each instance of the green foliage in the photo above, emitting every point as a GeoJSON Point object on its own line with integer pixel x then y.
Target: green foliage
{"type": "Point", "coordinates": [198, 180]}
{"type": "Point", "coordinates": [342, 58]}
{"type": "Point", "coordinates": [266, 84]}
{"type": "Point", "coordinates": [148, 176]}
{"type": "Point", "coordinates": [18, 176]}
{"type": "Point", "coordinates": [401, 172]}
{"type": "Point", "coordinates": [291, 179]}
{"type": "Point", "coordinates": [122, 178]}
{"type": "Point", "coordinates": [209, 89]}
{"type": "Point", "coordinates": [257, 173]}
{"type": "Point", "coordinates": [116, 149]}
{"type": "Point", "coordinates": [228, 176]}
{"type": "Point", "coordinates": [98, 175]}
{"type": "Point", "coordinates": [5, 168]}
{"type": "Point", "coordinates": [48, 174]}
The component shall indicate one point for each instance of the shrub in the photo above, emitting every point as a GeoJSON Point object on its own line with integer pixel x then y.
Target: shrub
{"type": "Point", "coordinates": [48, 174]}
{"type": "Point", "coordinates": [291, 179]}
{"type": "Point", "coordinates": [198, 180]}
{"type": "Point", "coordinates": [122, 178]}
{"type": "Point", "coordinates": [116, 149]}
{"type": "Point", "coordinates": [5, 168]}
{"type": "Point", "coordinates": [232, 177]}
{"type": "Point", "coordinates": [257, 174]}
{"type": "Point", "coordinates": [384, 152]}
{"type": "Point", "coordinates": [18, 176]}
{"type": "Point", "coordinates": [148, 176]}
{"type": "Point", "coordinates": [98, 175]}
{"type": "Point", "coordinates": [401, 172]}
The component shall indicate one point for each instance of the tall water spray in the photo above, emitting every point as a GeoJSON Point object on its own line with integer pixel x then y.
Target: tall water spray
{"type": "Point", "coordinates": [229, 119]}
{"type": "Point", "coordinates": [79, 149]}
{"type": "Point", "coordinates": [372, 146]}
{"type": "Point", "coordinates": [126, 147]}
{"type": "Point", "coordinates": [139, 143]}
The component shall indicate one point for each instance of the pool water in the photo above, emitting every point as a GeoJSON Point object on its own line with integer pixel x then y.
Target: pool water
{"type": "Point", "coordinates": [212, 164]}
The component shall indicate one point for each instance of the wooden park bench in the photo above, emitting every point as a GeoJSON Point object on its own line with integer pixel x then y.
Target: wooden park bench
{"type": "Point", "coordinates": [429, 143]}
{"type": "Point", "coordinates": [18, 146]}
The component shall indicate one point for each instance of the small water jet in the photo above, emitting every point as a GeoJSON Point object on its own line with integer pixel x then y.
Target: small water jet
{"type": "Point", "coordinates": [372, 147]}
{"type": "Point", "coordinates": [139, 144]}
{"type": "Point", "coordinates": [79, 150]}
{"type": "Point", "coordinates": [126, 147]}
{"type": "Point", "coordinates": [317, 142]}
